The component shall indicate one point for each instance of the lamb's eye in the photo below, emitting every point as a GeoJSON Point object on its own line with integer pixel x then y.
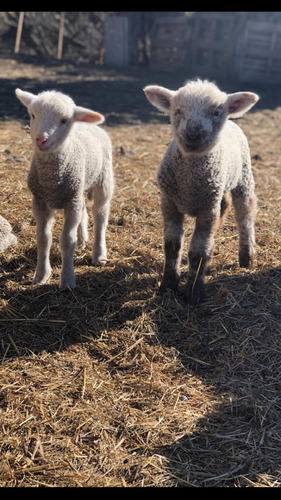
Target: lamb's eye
{"type": "Point", "coordinates": [216, 113]}
{"type": "Point", "coordinates": [63, 121]}
{"type": "Point", "coordinates": [177, 112]}
{"type": "Point", "coordinates": [32, 116]}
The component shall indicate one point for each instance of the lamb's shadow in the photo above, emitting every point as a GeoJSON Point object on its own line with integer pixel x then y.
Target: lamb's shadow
{"type": "Point", "coordinates": [44, 318]}
{"type": "Point", "coordinates": [233, 346]}
{"type": "Point", "coordinates": [108, 297]}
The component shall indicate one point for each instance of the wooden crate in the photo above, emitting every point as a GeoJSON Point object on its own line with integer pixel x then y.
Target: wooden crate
{"type": "Point", "coordinates": [259, 56]}
{"type": "Point", "coordinates": [169, 41]}
{"type": "Point", "coordinates": [211, 44]}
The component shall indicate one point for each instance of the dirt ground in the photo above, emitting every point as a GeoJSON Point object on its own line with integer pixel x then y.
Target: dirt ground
{"type": "Point", "coordinates": [111, 384]}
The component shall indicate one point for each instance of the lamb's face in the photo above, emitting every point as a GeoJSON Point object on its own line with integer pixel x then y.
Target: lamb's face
{"type": "Point", "coordinates": [51, 118]}
{"type": "Point", "coordinates": [52, 115]}
{"type": "Point", "coordinates": [198, 112]}
{"type": "Point", "coordinates": [197, 116]}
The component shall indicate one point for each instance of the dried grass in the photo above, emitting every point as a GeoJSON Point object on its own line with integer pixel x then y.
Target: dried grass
{"type": "Point", "coordinates": [113, 385]}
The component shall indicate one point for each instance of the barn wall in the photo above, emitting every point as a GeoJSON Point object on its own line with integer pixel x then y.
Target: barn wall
{"type": "Point", "coordinates": [214, 45]}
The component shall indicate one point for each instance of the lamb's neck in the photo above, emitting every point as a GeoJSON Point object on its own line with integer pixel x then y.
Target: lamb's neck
{"type": "Point", "coordinates": [54, 157]}
{"type": "Point", "coordinates": [190, 159]}
{"type": "Point", "coordinates": [193, 158]}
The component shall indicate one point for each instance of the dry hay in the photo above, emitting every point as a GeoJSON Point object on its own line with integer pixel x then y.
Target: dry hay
{"type": "Point", "coordinates": [113, 385]}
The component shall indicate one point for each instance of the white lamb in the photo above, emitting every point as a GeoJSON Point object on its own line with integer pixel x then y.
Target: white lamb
{"type": "Point", "coordinates": [70, 157]}
{"type": "Point", "coordinates": [207, 159]}
{"type": "Point", "coordinates": [7, 238]}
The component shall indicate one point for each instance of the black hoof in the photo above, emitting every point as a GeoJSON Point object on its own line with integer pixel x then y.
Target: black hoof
{"type": "Point", "coordinates": [165, 288]}
{"type": "Point", "coordinates": [246, 258]}
{"type": "Point", "coordinates": [194, 293]}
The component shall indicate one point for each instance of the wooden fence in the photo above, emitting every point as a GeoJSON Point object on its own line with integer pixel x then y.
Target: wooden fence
{"type": "Point", "coordinates": [217, 45]}
{"type": "Point", "coordinates": [258, 55]}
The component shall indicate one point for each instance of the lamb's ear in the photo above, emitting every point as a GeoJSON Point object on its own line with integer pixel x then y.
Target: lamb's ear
{"type": "Point", "coordinates": [87, 115]}
{"type": "Point", "coordinates": [25, 97]}
{"type": "Point", "coordinates": [238, 103]}
{"type": "Point", "coordinates": [159, 97]}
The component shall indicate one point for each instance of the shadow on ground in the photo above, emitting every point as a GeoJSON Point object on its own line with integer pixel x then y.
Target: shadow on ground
{"type": "Point", "coordinates": [118, 94]}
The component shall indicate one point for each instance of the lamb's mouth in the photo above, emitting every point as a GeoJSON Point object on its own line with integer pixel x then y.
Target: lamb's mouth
{"type": "Point", "coordinates": [194, 146]}
{"type": "Point", "coordinates": [44, 146]}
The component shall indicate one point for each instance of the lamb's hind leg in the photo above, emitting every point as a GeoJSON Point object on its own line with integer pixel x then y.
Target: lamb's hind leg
{"type": "Point", "coordinates": [83, 234]}
{"type": "Point", "coordinates": [225, 204]}
{"type": "Point", "coordinates": [68, 240]}
{"type": "Point", "coordinates": [101, 210]}
{"type": "Point", "coordinates": [245, 211]}
{"type": "Point", "coordinates": [173, 237]}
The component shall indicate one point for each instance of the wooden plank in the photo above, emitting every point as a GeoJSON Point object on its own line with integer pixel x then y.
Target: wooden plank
{"type": "Point", "coordinates": [19, 32]}
{"type": "Point", "coordinates": [60, 40]}
{"type": "Point", "coordinates": [117, 41]}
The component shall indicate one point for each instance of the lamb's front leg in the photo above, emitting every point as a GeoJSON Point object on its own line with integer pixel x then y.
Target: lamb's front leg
{"type": "Point", "coordinates": [173, 237]}
{"type": "Point", "coordinates": [199, 254]}
{"type": "Point", "coordinates": [68, 240]}
{"type": "Point", "coordinates": [44, 218]}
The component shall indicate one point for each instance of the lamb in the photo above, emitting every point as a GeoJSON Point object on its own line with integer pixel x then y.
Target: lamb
{"type": "Point", "coordinates": [207, 162]}
{"type": "Point", "coordinates": [72, 155]}
{"type": "Point", "coordinates": [7, 238]}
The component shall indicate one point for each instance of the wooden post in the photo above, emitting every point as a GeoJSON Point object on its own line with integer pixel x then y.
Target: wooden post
{"type": "Point", "coordinates": [60, 42]}
{"type": "Point", "coordinates": [19, 32]}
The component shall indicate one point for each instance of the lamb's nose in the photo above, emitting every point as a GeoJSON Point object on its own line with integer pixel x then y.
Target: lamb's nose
{"type": "Point", "coordinates": [193, 134]}
{"type": "Point", "coordinates": [40, 140]}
